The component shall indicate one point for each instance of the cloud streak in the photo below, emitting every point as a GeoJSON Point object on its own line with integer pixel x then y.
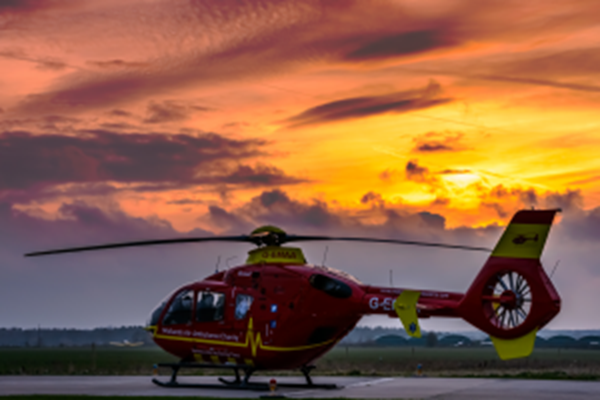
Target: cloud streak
{"type": "Point", "coordinates": [362, 107]}
{"type": "Point", "coordinates": [169, 111]}
{"type": "Point", "coordinates": [434, 142]}
{"type": "Point", "coordinates": [239, 41]}
{"type": "Point", "coordinates": [402, 44]}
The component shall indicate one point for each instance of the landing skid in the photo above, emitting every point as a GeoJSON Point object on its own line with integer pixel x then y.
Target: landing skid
{"type": "Point", "coordinates": [237, 384]}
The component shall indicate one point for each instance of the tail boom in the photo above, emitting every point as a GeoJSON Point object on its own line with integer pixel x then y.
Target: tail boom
{"type": "Point", "coordinates": [430, 303]}
{"type": "Point", "coordinates": [410, 305]}
{"type": "Point", "coordinates": [510, 299]}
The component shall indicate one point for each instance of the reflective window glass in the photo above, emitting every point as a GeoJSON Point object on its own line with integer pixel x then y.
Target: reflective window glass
{"type": "Point", "coordinates": [153, 321]}
{"type": "Point", "coordinates": [242, 305]}
{"type": "Point", "coordinates": [332, 287]}
{"type": "Point", "coordinates": [210, 306]}
{"type": "Point", "coordinates": [180, 311]}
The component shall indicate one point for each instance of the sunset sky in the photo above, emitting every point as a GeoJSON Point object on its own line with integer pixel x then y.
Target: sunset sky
{"type": "Point", "coordinates": [424, 120]}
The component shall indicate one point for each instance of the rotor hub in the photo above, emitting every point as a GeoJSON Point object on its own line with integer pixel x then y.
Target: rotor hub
{"type": "Point", "coordinates": [509, 299]}
{"type": "Point", "coordinates": [268, 235]}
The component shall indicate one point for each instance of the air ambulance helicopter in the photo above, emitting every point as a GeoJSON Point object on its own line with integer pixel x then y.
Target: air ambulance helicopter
{"type": "Point", "coordinates": [279, 312]}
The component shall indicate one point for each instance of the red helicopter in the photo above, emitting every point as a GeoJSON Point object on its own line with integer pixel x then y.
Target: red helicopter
{"type": "Point", "coordinates": [279, 312]}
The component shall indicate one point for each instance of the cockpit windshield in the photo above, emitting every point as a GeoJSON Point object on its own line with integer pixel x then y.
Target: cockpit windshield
{"type": "Point", "coordinates": [154, 317]}
{"type": "Point", "coordinates": [156, 313]}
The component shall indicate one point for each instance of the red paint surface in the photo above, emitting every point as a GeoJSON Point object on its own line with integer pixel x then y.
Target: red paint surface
{"type": "Point", "coordinates": [302, 309]}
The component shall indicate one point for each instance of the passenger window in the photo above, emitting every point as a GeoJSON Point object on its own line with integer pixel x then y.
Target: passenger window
{"type": "Point", "coordinates": [180, 311]}
{"type": "Point", "coordinates": [210, 306]}
{"type": "Point", "coordinates": [242, 305]}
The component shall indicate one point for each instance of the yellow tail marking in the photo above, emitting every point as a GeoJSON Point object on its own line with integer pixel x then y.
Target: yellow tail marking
{"type": "Point", "coordinates": [406, 308]}
{"type": "Point", "coordinates": [215, 359]}
{"type": "Point", "coordinates": [522, 241]}
{"type": "Point", "coordinates": [231, 360]}
{"type": "Point", "coordinates": [249, 362]}
{"type": "Point", "coordinates": [515, 348]}
{"type": "Point", "coordinates": [198, 357]}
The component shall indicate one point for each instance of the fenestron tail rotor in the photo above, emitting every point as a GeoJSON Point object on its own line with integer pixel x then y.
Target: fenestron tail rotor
{"type": "Point", "coordinates": [510, 300]}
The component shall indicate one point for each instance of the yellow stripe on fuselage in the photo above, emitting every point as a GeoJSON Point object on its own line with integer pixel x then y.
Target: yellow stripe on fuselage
{"type": "Point", "coordinates": [252, 341]}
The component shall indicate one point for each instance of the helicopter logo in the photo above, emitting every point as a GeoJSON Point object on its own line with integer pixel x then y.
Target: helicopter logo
{"type": "Point", "coordinates": [523, 238]}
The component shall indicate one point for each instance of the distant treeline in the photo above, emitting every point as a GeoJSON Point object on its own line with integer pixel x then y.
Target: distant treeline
{"type": "Point", "coordinates": [17, 337]}
{"type": "Point", "coordinates": [378, 336]}
{"type": "Point", "coordinates": [360, 336]}
{"type": "Point", "coordinates": [431, 339]}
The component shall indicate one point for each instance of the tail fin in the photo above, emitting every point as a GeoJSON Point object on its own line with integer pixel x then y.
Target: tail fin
{"type": "Point", "coordinates": [512, 297]}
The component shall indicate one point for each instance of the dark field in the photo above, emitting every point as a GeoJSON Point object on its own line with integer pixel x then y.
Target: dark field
{"type": "Point", "coordinates": [81, 361]}
{"type": "Point", "coordinates": [466, 361]}
{"type": "Point", "coordinates": [390, 361]}
{"type": "Point", "coordinates": [86, 397]}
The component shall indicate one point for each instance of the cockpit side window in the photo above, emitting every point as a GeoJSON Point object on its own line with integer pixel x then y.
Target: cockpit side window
{"type": "Point", "coordinates": [243, 302]}
{"type": "Point", "coordinates": [210, 306]}
{"type": "Point", "coordinates": [332, 287]}
{"type": "Point", "coordinates": [180, 311]}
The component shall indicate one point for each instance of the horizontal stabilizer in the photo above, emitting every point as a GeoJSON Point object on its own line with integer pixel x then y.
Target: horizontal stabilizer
{"type": "Point", "coordinates": [514, 348]}
{"type": "Point", "coordinates": [406, 308]}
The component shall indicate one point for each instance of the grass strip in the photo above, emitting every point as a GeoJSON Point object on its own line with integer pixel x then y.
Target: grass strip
{"type": "Point", "coordinates": [85, 397]}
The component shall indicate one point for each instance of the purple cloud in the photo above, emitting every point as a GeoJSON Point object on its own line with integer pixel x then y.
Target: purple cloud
{"type": "Point", "coordinates": [402, 44]}
{"type": "Point", "coordinates": [360, 107]}
{"type": "Point", "coordinates": [159, 161]}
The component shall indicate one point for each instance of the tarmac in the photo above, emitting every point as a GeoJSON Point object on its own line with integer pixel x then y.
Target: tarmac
{"type": "Point", "coordinates": [351, 387]}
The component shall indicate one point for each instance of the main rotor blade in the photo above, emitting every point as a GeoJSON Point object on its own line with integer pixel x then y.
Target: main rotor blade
{"type": "Point", "coordinates": [294, 238]}
{"type": "Point", "coordinates": [145, 243]}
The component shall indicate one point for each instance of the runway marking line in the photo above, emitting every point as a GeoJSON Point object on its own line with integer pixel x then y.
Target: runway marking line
{"type": "Point", "coordinates": [369, 383]}
{"type": "Point", "coordinates": [353, 385]}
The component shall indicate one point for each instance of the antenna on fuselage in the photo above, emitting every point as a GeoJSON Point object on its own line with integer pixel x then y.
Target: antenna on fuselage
{"type": "Point", "coordinates": [217, 266]}
{"type": "Point", "coordinates": [391, 279]}
{"type": "Point", "coordinates": [325, 255]}
{"type": "Point", "coordinates": [554, 269]}
{"type": "Point", "coordinates": [227, 260]}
